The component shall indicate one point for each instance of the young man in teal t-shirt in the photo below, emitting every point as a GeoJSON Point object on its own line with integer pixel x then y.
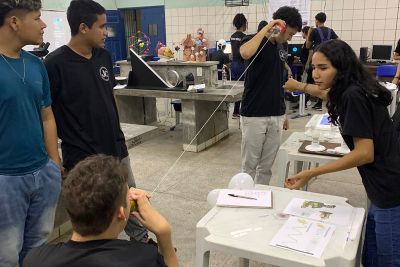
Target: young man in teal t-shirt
{"type": "Point", "coordinates": [30, 176]}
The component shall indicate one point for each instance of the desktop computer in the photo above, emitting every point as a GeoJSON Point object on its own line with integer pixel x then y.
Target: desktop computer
{"type": "Point", "coordinates": [294, 50]}
{"type": "Point", "coordinates": [381, 53]}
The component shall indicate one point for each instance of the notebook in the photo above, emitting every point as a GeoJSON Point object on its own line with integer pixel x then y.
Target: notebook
{"type": "Point", "coordinates": [245, 198]}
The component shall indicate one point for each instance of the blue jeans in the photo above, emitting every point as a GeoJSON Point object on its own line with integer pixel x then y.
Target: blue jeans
{"type": "Point", "coordinates": [237, 69]}
{"type": "Point", "coordinates": [382, 238]}
{"type": "Point", "coordinates": [27, 207]}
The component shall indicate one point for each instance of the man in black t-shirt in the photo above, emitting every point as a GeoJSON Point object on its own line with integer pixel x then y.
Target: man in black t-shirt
{"type": "Point", "coordinates": [222, 58]}
{"type": "Point", "coordinates": [316, 36]}
{"type": "Point", "coordinates": [238, 67]}
{"type": "Point", "coordinates": [321, 33]}
{"type": "Point", "coordinates": [263, 107]}
{"type": "Point", "coordinates": [98, 201]}
{"type": "Point", "coordinates": [305, 58]}
{"type": "Point", "coordinates": [81, 82]}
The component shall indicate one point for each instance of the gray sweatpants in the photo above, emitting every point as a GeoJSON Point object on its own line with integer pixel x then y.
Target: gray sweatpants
{"type": "Point", "coordinates": [261, 138]}
{"type": "Point", "coordinates": [134, 229]}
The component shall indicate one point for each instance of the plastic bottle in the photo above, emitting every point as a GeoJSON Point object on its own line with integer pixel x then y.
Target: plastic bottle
{"type": "Point", "coordinates": [224, 75]}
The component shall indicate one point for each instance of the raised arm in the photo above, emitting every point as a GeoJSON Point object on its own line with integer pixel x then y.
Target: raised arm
{"type": "Point", "coordinates": [312, 89]}
{"type": "Point", "coordinates": [156, 224]}
{"type": "Point", "coordinates": [249, 49]}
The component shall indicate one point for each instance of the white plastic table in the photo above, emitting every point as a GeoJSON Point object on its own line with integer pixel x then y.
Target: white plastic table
{"type": "Point", "coordinates": [247, 232]}
{"type": "Point", "coordinates": [288, 152]}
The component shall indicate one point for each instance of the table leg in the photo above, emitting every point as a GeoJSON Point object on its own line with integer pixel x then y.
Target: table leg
{"type": "Point", "coordinates": [298, 166]}
{"type": "Point", "coordinates": [244, 262]}
{"type": "Point", "coordinates": [195, 115]}
{"type": "Point", "coordinates": [203, 259]}
{"type": "Point", "coordinates": [301, 105]}
{"type": "Point", "coordinates": [283, 166]}
{"type": "Point", "coordinates": [136, 110]}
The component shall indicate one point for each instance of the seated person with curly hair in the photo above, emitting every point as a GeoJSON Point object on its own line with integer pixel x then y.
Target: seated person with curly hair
{"type": "Point", "coordinates": [97, 199]}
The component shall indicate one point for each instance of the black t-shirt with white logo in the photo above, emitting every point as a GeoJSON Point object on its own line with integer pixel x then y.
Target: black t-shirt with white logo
{"type": "Point", "coordinates": [263, 94]}
{"type": "Point", "coordinates": [84, 106]}
{"type": "Point", "coordinates": [362, 117]}
{"type": "Point", "coordinates": [97, 253]}
{"type": "Point", "coordinates": [236, 39]}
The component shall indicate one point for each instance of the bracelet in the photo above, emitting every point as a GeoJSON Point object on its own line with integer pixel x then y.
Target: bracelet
{"type": "Point", "coordinates": [305, 87]}
{"type": "Point", "coordinates": [396, 77]}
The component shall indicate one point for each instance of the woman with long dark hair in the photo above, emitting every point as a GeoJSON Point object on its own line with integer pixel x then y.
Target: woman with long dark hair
{"type": "Point", "coordinates": [358, 104]}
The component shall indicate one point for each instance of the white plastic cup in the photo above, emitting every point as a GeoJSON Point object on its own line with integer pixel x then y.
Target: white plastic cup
{"type": "Point", "coordinates": [315, 137]}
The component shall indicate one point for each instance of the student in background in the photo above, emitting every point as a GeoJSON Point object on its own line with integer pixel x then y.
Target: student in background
{"type": "Point", "coordinates": [358, 104]}
{"type": "Point", "coordinates": [305, 59]}
{"type": "Point", "coordinates": [237, 68]}
{"type": "Point", "coordinates": [222, 58]}
{"type": "Point", "coordinates": [82, 82]}
{"type": "Point", "coordinates": [97, 199]}
{"type": "Point", "coordinates": [30, 177]}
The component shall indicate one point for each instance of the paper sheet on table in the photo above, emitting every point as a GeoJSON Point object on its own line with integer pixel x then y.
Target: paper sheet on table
{"type": "Point", "coordinates": [304, 236]}
{"type": "Point", "coordinates": [263, 198]}
{"type": "Point", "coordinates": [323, 122]}
{"type": "Point", "coordinates": [317, 210]}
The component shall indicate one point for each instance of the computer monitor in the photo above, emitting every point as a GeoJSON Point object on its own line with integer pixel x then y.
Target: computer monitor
{"type": "Point", "coordinates": [228, 48]}
{"type": "Point", "coordinates": [381, 52]}
{"type": "Point", "coordinates": [294, 50]}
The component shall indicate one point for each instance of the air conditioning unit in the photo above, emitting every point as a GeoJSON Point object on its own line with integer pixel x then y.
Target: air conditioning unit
{"type": "Point", "coordinates": [237, 3]}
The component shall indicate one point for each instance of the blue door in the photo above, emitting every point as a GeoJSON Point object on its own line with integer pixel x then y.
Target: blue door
{"type": "Point", "coordinates": [115, 42]}
{"type": "Point", "coordinates": [153, 24]}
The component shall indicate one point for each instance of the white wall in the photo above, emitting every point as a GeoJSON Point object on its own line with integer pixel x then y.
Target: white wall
{"type": "Point", "coordinates": [358, 22]}
{"type": "Point", "coordinates": [216, 21]}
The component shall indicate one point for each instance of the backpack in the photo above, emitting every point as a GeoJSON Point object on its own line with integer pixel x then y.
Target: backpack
{"type": "Point", "coordinates": [321, 35]}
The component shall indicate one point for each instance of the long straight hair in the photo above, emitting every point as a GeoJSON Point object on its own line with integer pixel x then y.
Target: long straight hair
{"type": "Point", "coordinates": [350, 71]}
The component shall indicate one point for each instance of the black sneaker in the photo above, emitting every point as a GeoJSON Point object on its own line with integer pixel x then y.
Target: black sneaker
{"type": "Point", "coordinates": [317, 107]}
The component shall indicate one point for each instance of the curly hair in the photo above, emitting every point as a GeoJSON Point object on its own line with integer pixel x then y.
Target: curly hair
{"type": "Point", "coordinates": [83, 11]}
{"type": "Point", "coordinates": [6, 6]}
{"type": "Point", "coordinates": [92, 192]}
{"type": "Point", "coordinates": [350, 71]}
{"type": "Point", "coordinates": [290, 15]}
{"type": "Point", "coordinates": [239, 21]}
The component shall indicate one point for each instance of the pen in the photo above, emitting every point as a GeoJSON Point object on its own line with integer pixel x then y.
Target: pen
{"type": "Point", "coordinates": [233, 195]}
